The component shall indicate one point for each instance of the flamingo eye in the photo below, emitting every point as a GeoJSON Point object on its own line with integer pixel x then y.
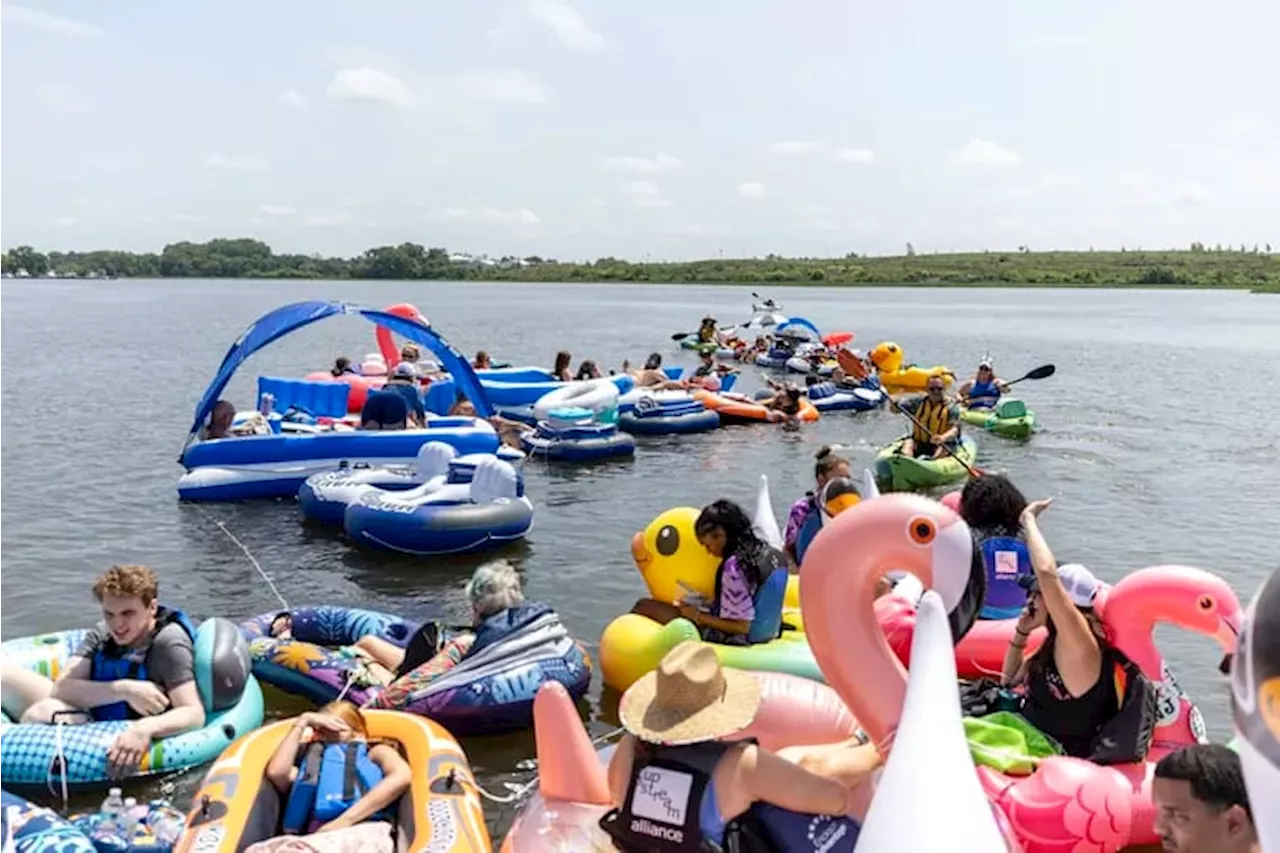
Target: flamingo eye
{"type": "Point", "coordinates": [1205, 602]}
{"type": "Point", "coordinates": [922, 530]}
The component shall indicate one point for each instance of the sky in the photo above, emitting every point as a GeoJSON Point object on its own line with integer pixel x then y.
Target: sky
{"type": "Point", "coordinates": [654, 130]}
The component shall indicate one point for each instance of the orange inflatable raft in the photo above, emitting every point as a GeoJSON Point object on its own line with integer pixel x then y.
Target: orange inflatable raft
{"type": "Point", "coordinates": [441, 811]}
{"type": "Point", "coordinates": [740, 409]}
{"type": "Point", "coordinates": [368, 379]}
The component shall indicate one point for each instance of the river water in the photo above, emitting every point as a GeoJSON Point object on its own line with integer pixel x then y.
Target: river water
{"type": "Point", "coordinates": [1159, 443]}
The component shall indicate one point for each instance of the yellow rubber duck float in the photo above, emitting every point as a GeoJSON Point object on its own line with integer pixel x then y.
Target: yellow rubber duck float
{"type": "Point", "coordinates": [673, 563]}
{"type": "Point", "coordinates": [888, 357]}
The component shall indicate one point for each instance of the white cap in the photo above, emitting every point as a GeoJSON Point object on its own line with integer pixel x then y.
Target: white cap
{"type": "Point", "coordinates": [1081, 585]}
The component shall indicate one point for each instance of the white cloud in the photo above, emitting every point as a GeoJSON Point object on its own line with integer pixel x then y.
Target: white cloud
{"type": "Point", "coordinates": [631, 163]}
{"type": "Point", "coordinates": [639, 188]}
{"type": "Point", "coordinates": [277, 209]}
{"type": "Point", "coordinates": [238, 164]}
{"type": "Point", "coordinates": [751, 189]}
{"type": "Point", "coordinates": [329, 220]}
{"type": "Point", "coordinates": [823, 225]}
{"type": "Point", "coordinates": [369, 84]}
{"type": "Point", "coordinates": [797, 147]}
{"type": "Point", "coordinates": [652, 201]}
{"type": "Point", "coordinates": [854, 155]}
{"type": "Point", "coordinates": [982, 152]}
{"type": "Point", "coordinates": [1191, 193]}
{"type": "Point", "coordinates": [65, 221]}
{"type": "Point", "coordinates": [36, 20]}
{"type": "Point", "coordinates": [493, 216]}
{"type": "Point", "coordinates": [292, 98]}
{"type": "Point", "coordinates": [569, 26]}
{"type": "Point", "coordinates": [1049, 41]}
{"type": "Point", "coordinates": [504, 85]}
{"type": "Point", "coordinates": [1134, 180]}
{"type": "Point", "coordinates": [186, 217]}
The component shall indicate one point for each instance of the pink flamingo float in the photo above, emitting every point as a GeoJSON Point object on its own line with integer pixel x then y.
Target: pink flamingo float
{"type": "Point", "coordinates": [374, 370]}
{"type": "Point", "coordinates": [1067, 804]}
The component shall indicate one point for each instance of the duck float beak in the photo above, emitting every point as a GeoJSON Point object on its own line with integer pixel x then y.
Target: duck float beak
{"type": "Point", "coordinates": [642, 555]}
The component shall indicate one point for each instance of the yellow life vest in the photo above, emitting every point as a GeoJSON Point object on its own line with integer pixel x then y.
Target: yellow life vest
{"type": "Point", "coordinates": [935, 417]}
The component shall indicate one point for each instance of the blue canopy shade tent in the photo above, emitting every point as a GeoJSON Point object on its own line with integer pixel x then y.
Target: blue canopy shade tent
{"type": "Point", "coordinates": [288, 318]}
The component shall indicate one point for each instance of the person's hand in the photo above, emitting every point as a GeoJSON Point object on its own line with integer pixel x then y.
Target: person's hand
{"type": "Point", "coordinates": [126, 751]}
{"type": "Point", "coordinates": [142, 696]}
{"type": "Point", "coordinates": [936, 440]}
{"type": "Point", "coordinates": [1033, 509]}
{"type": "Point", "coordinates": [323, 723]}
{"type": "Point", "coordinates": [336, 823]}
{"type": "Point", "coordinates": [1032, 617]}
{"type": "Point", "coordinates": [688, 611]}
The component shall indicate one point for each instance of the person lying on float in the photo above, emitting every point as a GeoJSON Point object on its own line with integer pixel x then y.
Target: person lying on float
{"type": "Point", "coordinates": [138, 664]}
{"type": "Point", "coordinates": [334, 776]}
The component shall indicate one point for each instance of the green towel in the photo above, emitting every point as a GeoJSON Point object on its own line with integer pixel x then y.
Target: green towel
{"type": "Point", "coordinates": [1007, 742]}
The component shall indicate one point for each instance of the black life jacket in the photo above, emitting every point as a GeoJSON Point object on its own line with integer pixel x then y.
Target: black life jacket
{"type": "Point", "coordinates": [664, 803]}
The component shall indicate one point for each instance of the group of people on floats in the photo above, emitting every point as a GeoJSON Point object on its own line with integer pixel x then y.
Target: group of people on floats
{"type": "Point", "coordinates": [679, 716]}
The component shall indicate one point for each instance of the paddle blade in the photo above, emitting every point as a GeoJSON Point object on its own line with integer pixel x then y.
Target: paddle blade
{"type": "Point", "coordinates": [679, 336]}
{"type": "Point", "coordinates": [1043, 372]}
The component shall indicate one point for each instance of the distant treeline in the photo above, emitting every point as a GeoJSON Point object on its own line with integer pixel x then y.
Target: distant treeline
{"type": "Point", "coordinates": [1199, 266]}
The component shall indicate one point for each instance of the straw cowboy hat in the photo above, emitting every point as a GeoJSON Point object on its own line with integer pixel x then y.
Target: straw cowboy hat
{"type": "Point", "coordinates": [690, 698]}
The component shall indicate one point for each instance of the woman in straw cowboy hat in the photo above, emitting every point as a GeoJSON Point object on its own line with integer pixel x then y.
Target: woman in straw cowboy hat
{"type": "Point", "coordinates": [682, 786]}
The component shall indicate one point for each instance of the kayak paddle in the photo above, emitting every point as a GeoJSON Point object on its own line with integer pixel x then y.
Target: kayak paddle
{"type": "Point", "coordinates": [1044, 371]}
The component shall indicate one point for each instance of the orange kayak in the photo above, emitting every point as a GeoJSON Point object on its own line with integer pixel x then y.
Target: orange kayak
{"type": "Point", "coordinates": [440, 811]}
{"type": "Point", "coordinates": [740, 409]}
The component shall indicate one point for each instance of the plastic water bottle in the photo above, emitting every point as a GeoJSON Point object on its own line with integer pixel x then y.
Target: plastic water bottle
{"type": "Point", "coordinates": [165, 822]}
{"type": "Point", "coordinates": [266, 403]}
{"type": "Point", "coordinates": [112, 808]}
{"type": "Point", "coordinates": [128, 819]}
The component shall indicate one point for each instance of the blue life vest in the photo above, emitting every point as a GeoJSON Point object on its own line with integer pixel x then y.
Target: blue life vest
{"type": "Point", "coordinates": [984, 395]}
{"type": "Point", "coordinates": [1006, 559]}
{"type": "Point", "coordinates": [501, 625]}
{"type": "Point", "coordinates": [332, 778]}
{"type": "Point", "coordinates": [112, 662]}
{"type": "Point", "coordinates": [808, 529]}
{"type": "Point", "coordinates": [767, 600]}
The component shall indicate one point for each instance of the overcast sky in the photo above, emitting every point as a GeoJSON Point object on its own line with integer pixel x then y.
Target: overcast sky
{"type": "Point", "coordinates": [661, 129]}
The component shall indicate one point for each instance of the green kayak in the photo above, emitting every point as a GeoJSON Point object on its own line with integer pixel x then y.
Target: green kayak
{"type": "Point", "coordinates": [898, 473]}
{"type": "Point", "coordinates": [693, 342]}
{"type": "Point", "coordinates": [1010, 418]}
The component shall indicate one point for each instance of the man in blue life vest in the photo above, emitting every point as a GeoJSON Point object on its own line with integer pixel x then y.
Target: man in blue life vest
{"type": "Point", "coordinates": [984, 389]}
{"type": "Point", "coordinates": [138, 664]}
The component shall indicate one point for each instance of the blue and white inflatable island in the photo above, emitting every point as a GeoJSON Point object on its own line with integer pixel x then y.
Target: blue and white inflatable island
{"type": "Point", "coordinates": [276, 465]}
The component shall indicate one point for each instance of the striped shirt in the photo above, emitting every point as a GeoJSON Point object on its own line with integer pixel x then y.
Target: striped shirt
{"type": "Point", "coordinates": [736, 593]}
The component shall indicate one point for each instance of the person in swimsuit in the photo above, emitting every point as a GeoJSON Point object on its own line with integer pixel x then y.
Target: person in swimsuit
{"type": "Point", "coordinates": [561, 372]}
{"type": "Point", "coordinates": [739, 795]}
{"type": "Point", "coordinates": [984, 389]}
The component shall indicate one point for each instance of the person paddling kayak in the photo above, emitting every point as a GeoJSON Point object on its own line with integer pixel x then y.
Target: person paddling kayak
{"type": "Point", "coordinates": [984, 389]}
{"type": "Point", "coordinates": [937, 421]}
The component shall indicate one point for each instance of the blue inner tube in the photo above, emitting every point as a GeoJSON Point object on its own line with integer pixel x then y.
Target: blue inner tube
{"type": "Point", "coordinates": [31, 751]}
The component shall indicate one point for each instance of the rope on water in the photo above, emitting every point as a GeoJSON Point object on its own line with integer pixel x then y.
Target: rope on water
{"type": "Point", "coordinates": [248, 554]}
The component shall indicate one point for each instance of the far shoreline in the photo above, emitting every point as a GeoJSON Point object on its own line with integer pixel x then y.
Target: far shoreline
{"type": "Point", "coordinates": [1199, 267]}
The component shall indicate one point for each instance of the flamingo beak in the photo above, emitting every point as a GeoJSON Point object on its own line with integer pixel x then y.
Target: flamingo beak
{"type": "Point", "coordinates": [1227, 635]}
{"type": "Point", "coordinates": [952, 558]}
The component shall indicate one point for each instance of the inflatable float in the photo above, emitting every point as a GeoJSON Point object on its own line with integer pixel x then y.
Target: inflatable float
{"type": "Point", "coordinates": [488, 692]}
{"type": "Point", "coordinates": [1009, 418]}
{"type": "Point", "coordinates": [899, 473]}
{"type": "Point", "coordinates": [236, 806]}
{"type": "Point", "coordinates": [598, 396]}
{"type": "Point", "coordinates": [647, 412]}
{"type": "Point", "coordinates": [276, 465]}
{"type": "Point", "coordinates": [1066, 803]}
{"type": "Point", "coordinates": [741, 409]}
{"type": "Point", "coordinates": [232, 703]}
{"type": "Point", "coordinates": [375, 366]}
{"type": "Point", "coordinates": [28, 828]}
{"type": "Point", "coordinates": [888, 360]}
{"type": "Point", "coordinates": [458, 518]}
{"type": "Point", "coordinates": [572, 435]}
{"type": "Point", "coordinates": [324, 498]}
{"type": "Point", "coordinates": [1255, 705]}
{"type": "Point", "coordinates": [829, 397]}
